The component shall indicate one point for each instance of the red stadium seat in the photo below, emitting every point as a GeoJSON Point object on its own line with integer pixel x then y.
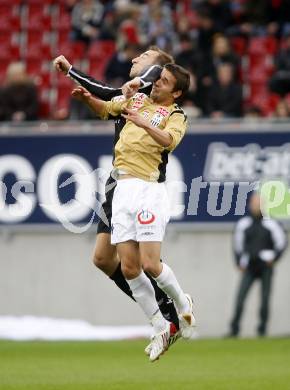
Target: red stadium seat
{"type": "Point", "coordinates": [9, 22]}
{"type": "Point", "coordinates": [257, 77]}
{"type": "Point", "coordinates": [9, 2]}
{"type": "Point", "coordinates": [72, 50]}
{"type": "Point", "coordinates": [101, 49]}
{"type": "Point", "coordinates": [6, 37]}
{"type": "Point", "coordinates": [264, 102]}
{"type": "Point", "coordinates": [62, 38]}
{"type": "Point", "coordinates": [63, 21]}
{"type": "Point", "coordinates": [38, 51]}
{"type": "Point", "coordinates": [265, 63]}
{"type": "Point", "coordinates": [239, 45]}
{"type": "Point", "coordinates": [38, 22]}
{"type": "Point", "coordinates": [45, 80]}
{"type": "Point", "coordinates": [273, 100]}
{"type": "Point", "coordinates": [37, 17]}
{"type": "Point", "coordinates": [257, 89]}
{"type": "Point", "coordinates": [63, 98]}
{"type": "Point", "coordinates": [96, 68]}
{"type": "Point", "coordinates": [9, 52]}
{"type": "Point", "coordinates": [257, 46]}
{"type": "Point", "coordinates": [3, 68]}
{"type": "Point", "coordinates": [33, 66]}
{"type": "Point", "coordinates": [45, 102]}
{"type": "Point", "coordinates": [263, 46]}
{"type": "Point", "coordinates": [35, 37]}
{"type": "Point", "coordinates": [39, 2]}
{"type": "Point", "coordinates": [63, 82]}
{"type": "Point", "coordinates": [44, 109]}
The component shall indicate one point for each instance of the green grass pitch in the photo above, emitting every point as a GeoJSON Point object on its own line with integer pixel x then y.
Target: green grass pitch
{"type": "Point", "coordinates": [250, 364]}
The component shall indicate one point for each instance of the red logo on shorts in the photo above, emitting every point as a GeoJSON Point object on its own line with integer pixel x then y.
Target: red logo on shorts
{"type": "Point", "coordinates": [145, 217]}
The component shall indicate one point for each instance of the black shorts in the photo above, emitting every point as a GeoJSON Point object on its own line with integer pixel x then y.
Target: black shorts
{"type": "Point", "coordinates": [107, 206]}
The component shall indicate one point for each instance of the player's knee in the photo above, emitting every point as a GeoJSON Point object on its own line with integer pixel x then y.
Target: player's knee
{"type": "Point", "coordinates": [100, 260]}
{"type": "Point", "coordinates": [150, 267]}
{"type": "Point", "coordinates": [130, 271]}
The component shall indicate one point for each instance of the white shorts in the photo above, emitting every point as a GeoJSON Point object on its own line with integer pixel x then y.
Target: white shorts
{"type": "Point", "coordinates": [140, 211]}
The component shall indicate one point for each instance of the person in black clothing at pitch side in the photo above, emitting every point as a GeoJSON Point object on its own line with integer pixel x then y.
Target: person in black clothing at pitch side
{"type": "Point", "coordinates": [146, 68]}
{"type": "Point", "coordinates": [258, 244]}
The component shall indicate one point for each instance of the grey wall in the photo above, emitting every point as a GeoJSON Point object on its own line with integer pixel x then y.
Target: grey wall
{"type": "Point", "coordinates": [51, 274]}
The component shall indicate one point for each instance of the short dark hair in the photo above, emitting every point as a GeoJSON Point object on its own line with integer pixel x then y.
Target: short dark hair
{"type": "Point", "coordinates": [163, 57]}
{"type": "Point", "coordinates": [182, 77]}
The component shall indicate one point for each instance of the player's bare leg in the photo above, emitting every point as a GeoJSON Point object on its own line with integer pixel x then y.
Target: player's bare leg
{"type": "Point", "coordinates": [106, 259]}
{"type": "Point", "coordinates": [105, 255]}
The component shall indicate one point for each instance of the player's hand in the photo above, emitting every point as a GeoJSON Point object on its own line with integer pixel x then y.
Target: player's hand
{"type": "Point", "coordinates": [131, 87]}
{"type": "Point", "coordinates": [80, 93]}
{"type": "Point", "coordinates": [61, 64]}
{"type": "Point", "coordinates": [133, 116]}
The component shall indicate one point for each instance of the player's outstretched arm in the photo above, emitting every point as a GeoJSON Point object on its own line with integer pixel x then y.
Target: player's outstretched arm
{"type": "Point", "coordinates": [95, 87]}
{"type": "Point", "coordinates": [61, 64]}
{"type": "Point", "coordinates": [96, 105]}
{"type": "Point", "coordinates": [131, 87]}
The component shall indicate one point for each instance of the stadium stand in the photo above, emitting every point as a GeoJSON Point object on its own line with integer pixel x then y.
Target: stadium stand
{"type": "Point", "coordinates": [36, 31]}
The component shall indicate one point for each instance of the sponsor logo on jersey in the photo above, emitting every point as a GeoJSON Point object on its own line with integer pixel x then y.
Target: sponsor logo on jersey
{"type": "Point", "coordinates": [158, 116]}
{"type": "Point", "coordinates": [138, 100]}
{"type": "Point", "coordinates": [145, 217]}
{"type": "Point", "coordinates": [163, 111]}
{"type": "Point", "coordinates": [156, 119]}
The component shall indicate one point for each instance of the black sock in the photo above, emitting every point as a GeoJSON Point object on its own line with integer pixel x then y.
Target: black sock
{"type": "Point", "coordinates": [121, 282]}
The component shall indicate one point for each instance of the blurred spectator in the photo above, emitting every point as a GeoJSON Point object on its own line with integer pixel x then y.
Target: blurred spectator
{"type": "Point", "coordinates": [221, 53]}
{"type": "Point", "coordinates": [206, 31]}
{"type": "Point", "coordinates": [280, 82]}
{"type": "Point", "coordinates": [267, 17]}
{"type": "Point", "coordinates": [156, 25]}
{"type": "Point", "coordinates": [258, 244]}
{"type": "Point", "coordinates": [188, 56]}
{"type": "Point", "coordinates": [69, 4]}
{"type": "Point", "coordinates": [225, 95]}
{"type": "Point", "coordinates": [220, 12]}
{"type": "Point", "coordinates": [184, 25]}
{"type": "Point", "coordinates": [86, 20]}
{"type": "Point", "coordinates": [18, 96]}
{"type": "Point", "coordinates": [253, 112]}
{"type": "Point", "coordinates": [80, 111]}
{"type": "Point", "coordinates": [282, 110]}
{"type": "Point", "coordinates": [191, 99]}
{"type": "Point", "coordinates": [282, 60]}
{"type": "Point", "coordinates": [128, 32]}
{"type": "Point", "coordinates": [118, 68]}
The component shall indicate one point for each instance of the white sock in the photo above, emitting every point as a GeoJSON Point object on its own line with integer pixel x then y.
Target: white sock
{"type": "Point", "coordinates": [169, 284]}
{"type": "Point", "coordinates": [144, 294]}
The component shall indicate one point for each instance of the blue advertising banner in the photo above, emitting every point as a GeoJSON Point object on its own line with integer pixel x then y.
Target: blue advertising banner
{"type": "Point", "coordinates": [53, 179]}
